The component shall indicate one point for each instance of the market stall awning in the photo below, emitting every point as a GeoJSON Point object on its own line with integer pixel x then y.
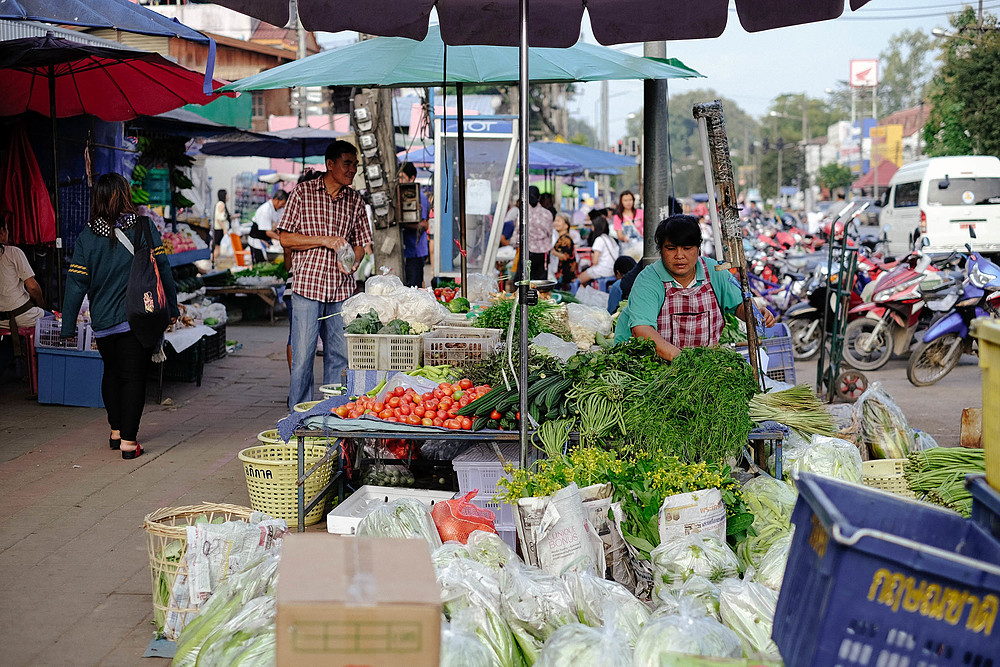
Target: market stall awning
{"type": "Point", "coordinates": [399, 62]}
{"type": "Point", "coordinates": [294, 143]}
{"type": "Point", "coordinates": [538, 158]}
{"type": "Point", "coordinates": [886, 170]}
{"type": "Point", "coordinates": [591, 159]}
{"type": "Point", "coordinates": [555, 23]}
{"type": "Point", "coordinates": [180, 122]}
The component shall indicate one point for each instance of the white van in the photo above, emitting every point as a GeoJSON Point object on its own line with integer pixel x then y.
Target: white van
{"type": "Point", "coordinates": [950, 200]}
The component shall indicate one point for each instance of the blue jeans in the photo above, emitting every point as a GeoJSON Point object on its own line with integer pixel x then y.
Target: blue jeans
{"type": "Point", "coordinates": [306, 326]}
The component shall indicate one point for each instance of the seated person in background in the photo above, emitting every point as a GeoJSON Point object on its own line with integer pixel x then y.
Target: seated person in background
{"type": "Point", "coordinates": [604, 252]}
{"type": "Point", "coordinates": [20, 294]}
{"type": "Point", "coordinates": [623, 265]}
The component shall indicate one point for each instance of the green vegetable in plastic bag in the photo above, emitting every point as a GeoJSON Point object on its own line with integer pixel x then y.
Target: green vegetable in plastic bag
{"type": "Point", "coordinates": [883, 426]}
{"type": "Point", "coordinates": [666, 640]}
{"type": "Point", "coordinates": [600, 602]}
{"type": "Point", "coordinates": [823, 455]}
{"type": "Point", "coordinates": [748, 608]}
{"type": "Point", "coordinates": [697, 593]}
{"type": "Point", "coordinates": [771, 502]}
{"type": "Point", "coordinates": [470, 593]}
{"type": "Point", "coordinates": [534, 604]}
{"type": "Point", "coordinates": [771, 571]}
{"type": "Point", "coordinates": [460, 647]}
{"type": "Point", "coordinates": [489, 550]}
{"type": "Point", "coordinates": [702, 554]}
{"type": "Point", "coordinates": [402, 518]}
{"type": "Point", "coordinates": [577, 645]}
{"type": "Point", "coordinates": [447, 552]}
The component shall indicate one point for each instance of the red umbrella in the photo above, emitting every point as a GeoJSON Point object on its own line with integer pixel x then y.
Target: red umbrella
{"type": "Point", "coordinates": [23, 194]}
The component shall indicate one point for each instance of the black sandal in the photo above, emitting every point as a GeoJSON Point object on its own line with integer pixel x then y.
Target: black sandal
{"type": "Point", "coordinates": [134, 453]}
{"type": "Point", "coordinates": [115, 444]}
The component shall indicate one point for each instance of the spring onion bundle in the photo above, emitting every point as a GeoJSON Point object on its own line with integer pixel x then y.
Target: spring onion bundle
{"type": "Point", "coordinates": [796, 408]}
{"type": "Point", "coordinates": [938, 475]}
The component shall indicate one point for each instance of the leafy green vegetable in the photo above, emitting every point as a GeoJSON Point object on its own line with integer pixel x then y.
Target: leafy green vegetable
{"type": "Point", "coordinates": [365, 324]}
{"type": "Point", "coordinates": [458, 305]}
{"type": "Point", "coordinates": [732, 333]}
{"type": "Point", "coordinates": [396, 327]}
{"type": "Point", "coordinates": [541, 318]}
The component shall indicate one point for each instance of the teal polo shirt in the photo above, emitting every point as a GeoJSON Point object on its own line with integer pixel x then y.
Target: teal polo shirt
{"type": "Point", "coordinates": [646, 300]}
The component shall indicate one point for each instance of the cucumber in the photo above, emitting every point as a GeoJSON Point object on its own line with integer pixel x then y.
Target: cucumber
{"type": "Point", "coordinates": [480, 423]}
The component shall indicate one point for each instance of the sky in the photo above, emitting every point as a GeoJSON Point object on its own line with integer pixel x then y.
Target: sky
{"type": "Point", "coordinates": [754, 68]}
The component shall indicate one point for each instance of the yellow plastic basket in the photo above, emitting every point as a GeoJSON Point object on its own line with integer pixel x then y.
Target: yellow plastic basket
{"type": "Point", "coordinates": [988, 333]}
{"type": "Point", "coordinates": [306, 406]}
{"type": "Point", "coordinates": [886, 474]}
{"type": "Point", "coordinates": [166, 542]}
{"type": "Point", "coordinates": [271, 437]}
{"type": "Point", "coordinates": [272, 474]}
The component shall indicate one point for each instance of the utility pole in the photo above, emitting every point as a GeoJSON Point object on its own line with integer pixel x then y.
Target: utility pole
{"type": "Point", "coordinates": [300, 33]}
{"type": "Point", "coordinates": [655, 183]}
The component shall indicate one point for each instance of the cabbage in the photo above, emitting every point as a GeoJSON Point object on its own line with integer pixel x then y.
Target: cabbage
{"type": "Point", "coordinates": [402, 518]}
{"type": "Point", "coordinates": [748, 608]}
{"type": "Point", "coordinates": [702, 554]}
{"type": "Point", "coordinates": [600, 602]}
{"type": "Point", "coordinates": [577, 645]}
{"type": "Point", "coordinates": [534, 604]}
{"type": "Point", "coordinates": [665, 640]}
{"type": "Point", "coordinates": [827, 456]}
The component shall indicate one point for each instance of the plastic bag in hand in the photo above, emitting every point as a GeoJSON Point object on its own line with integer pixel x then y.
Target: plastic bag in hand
{"type": "Point", "coordinates": [667, 639]}
{"type": "Point", "coordinates": [702, 554]}
{"type": "Point", "coordinates": [576, 645]}
{"type": "Point", "coordinates": [748, 608]}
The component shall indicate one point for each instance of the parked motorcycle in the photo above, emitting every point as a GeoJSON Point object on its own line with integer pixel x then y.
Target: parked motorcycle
{"type": "Point", "coordinates": [894, 311]}
{"type": "Point", "coordinates": [948, 339]}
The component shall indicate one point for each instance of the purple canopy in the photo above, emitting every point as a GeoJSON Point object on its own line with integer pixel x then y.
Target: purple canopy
{"type": "Point", "coordinates": [554, 23]}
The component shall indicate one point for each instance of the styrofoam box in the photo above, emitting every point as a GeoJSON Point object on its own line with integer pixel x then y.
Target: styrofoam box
{"type": "Point", "coordinates": [345, 517]}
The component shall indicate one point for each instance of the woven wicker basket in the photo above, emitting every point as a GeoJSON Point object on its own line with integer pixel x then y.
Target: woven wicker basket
{"type": "Point", "coordinates": [271, 437]}
{"type": "Point", "coordinates": [886, 474]}
{"type": "Point", "coordinates": [164, 528]}
{"type": "Point", "coordinates": [272, 474]}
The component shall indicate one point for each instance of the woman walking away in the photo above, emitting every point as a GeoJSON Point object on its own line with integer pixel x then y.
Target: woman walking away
{"type": "Point", "coordinates": [100, 269]}
{"type": "Point", "coordinates": [603, 253]}
{"type": "Point", "coordinates": [221, 225]}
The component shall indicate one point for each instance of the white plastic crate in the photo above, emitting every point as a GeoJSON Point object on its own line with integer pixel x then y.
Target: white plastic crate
{"type": "Point", "coordinates": [345, 517]}
{"type": "Point", "coordinates": [47, 335]}
{"type": "Point", "coordinates": [479, 467]}
{"type": "Point", "coordinates": [450, 345]}
{"type": "Point", "coordinates": [89, 340]}
{"type": "Point", "coordinates": [504, 512]}
{"type": "Point", "coordinates": [371, 352]}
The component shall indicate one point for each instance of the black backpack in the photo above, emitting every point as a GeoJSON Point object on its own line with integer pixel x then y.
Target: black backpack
{"type": "Point", "coordinates": [146, 306]}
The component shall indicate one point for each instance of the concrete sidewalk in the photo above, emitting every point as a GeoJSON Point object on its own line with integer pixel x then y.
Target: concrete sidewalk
{"type": "Point", "coordinates": [74, 574]}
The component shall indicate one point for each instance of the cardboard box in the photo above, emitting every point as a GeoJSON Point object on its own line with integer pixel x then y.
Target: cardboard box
{"type": "Point", "coordinates": [357, 602]}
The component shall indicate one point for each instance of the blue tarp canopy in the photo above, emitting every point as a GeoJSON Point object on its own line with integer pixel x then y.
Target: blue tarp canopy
{"type": "Point", "coordinates": [587, 158]}
{"type": "Point", "coordinates": [538, 157]}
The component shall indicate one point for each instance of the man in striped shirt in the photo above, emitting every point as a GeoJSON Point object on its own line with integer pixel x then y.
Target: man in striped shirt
{"type": "Point", "coordinates": [322, 216]}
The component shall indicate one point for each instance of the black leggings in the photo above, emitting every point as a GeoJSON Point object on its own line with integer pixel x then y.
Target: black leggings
{"type": "Point", "coordinates": [123, 387]}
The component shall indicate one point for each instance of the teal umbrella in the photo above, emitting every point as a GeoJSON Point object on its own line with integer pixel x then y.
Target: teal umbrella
{"type": "Point", "coordinates": [396, 62]}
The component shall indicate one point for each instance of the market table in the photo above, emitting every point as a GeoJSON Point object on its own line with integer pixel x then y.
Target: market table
{"type": "Point", "coordinates": [268, 294]}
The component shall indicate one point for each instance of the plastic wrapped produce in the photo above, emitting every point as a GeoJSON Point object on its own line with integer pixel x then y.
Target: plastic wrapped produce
{"type": "Point", "coordinates": [534, 604]}
{"type": "Point", "coordinates": [488, 549]}
{"type": "Point", "coordinates": [600, 602]}
{"type": "Point", "coordinates": [446, 553]}
{"type": "Point", "coordinates": [383, 285]}
{"type": "Point", "coordinates": [701, 554]}
{"type": "Point", "coordinates": [470, 591]}
{"type": "Point", "coordinates": [666, 640]}
{"type": "Point", "coordinates": [576, 645]}
{"type": "Point", "coordinates": [883, 427]}
{"type": "Point", "coordinates": [460, 647]}
{"type": "Point", "coordinates": [359, 304]}
{"type": "Point", "coordinates": [226, 642]}
{"type": "Point", "coordinates": [831, 457]}
{"type": "Point", "coordinates": [403, 518]}
{"type": "Point", "coordinates": [701, 595]}
{"type": "Point", "coordinates": [771, 501]}
{"type": "Point", "coordinates": [772, 566]}
{"type": "Point", "coordinates": [748, 608]}
{"type": "Point", "coordinates": [418, 306]}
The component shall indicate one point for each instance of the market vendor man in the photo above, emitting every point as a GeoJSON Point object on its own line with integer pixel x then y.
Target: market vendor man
{"type": "Point", "coordinates": [681, 301]}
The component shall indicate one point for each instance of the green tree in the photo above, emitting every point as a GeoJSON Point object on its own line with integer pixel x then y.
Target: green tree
{"type": "Point", "coordinates": [965, 116]}
{"type": "Point", "coordinates": [833, 176]}
{"type": "Point", "coordinates": [687, 170]}
{"type": "Point", "coordinates": [905, 66]}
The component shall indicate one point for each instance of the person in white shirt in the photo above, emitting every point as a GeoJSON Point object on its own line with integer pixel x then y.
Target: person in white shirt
{"type": "Point", "coordinates": [604, 252]}
{"type": "Point", "coordinates": [265, 221]}
{"type": "Point", "coordinates": [20, 293]}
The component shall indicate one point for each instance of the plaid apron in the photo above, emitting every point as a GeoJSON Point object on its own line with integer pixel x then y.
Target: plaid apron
{"type": "Point", "coordinates": [690, 316]}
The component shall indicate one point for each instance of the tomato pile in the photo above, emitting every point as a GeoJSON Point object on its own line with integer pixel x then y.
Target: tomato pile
{"type": "Point", "coordinates": [445, 294]}
{"type": "Point", "coordinates": [405, 406]}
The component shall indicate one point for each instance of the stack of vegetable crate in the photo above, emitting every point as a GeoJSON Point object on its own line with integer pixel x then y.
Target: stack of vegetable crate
{"type": "Point", "coordinates": [480, 469]}
{"type": "Point", "coordinates": [456, 345]}
{"type": "Point", "coordinates": [372, 358]}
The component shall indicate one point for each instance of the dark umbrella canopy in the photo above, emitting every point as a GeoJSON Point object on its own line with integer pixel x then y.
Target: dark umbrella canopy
{"type": "Point", "coordinates": [294, 143]}
{"type": "Point", "coordinates": [111, 83]}
{"type": "Point", "coordinates": [553, 23]}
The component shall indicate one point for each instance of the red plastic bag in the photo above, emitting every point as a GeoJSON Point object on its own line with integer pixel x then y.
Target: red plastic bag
{"type": "Point", "coordinates": [457, 519]}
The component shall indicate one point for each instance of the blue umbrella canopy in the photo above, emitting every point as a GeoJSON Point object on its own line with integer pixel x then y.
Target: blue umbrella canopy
{"type": "Point", "coordinates": [401, 62]}
{"type": "Point", "coordinates": [538, 158]}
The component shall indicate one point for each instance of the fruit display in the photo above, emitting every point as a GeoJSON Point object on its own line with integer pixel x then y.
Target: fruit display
{"type": "Point", "coordinates": [406, 406]}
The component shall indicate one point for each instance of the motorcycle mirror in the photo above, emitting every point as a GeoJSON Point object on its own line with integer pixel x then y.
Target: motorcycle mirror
{"type": "Point", "coordinates": [887, 228]}
{"type": "Point", "coordinates": [968, 247]}
{"type": "Point", "coordinates": [943, 185]}
{"type": "Point", "coordinates": [924, 241]}
{"type": "Point", "coordinates": [972, 231]}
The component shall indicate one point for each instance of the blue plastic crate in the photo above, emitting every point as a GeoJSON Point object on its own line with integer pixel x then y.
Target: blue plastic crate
{"type": "Point", "coordinates": [985, 505]}
{"type": "Point", "coordinates": [70, 377]}
{"type": "Point", "coordinates": [875, 579]}
{"type": "Point", "coordinates": [777, 342]}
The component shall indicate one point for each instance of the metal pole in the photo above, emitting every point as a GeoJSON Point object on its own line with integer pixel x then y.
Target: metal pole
{"type": "Point", "coordinates": [713, 211]}
{"type": "Point", "coordinates": [605, 137]}
{"type": "Point", "coordinates": [461, 190]}
{"type": "Point", "coordinates": [522, 288]}
{"type": "Point", "coordinates": [55, 186]}
{"type": "Point", "coordinates": [655, 170]}
{"type": "Point", "coordinates": [303, 105]}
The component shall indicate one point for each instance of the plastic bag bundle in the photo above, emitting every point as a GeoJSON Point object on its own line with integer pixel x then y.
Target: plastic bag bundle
{"type": "Point", "coordinates": [702, 554]}
{"type": "Point", "coordinates": [665, 640]}
{"type": "Point", "coordinates": [748, 608]}
{"type": "Point", "coordinates": [586, 321]}
{"type": "Point", "coordinates": [383, 285]}
{"type": "Point", "coordinates": [823, 455]}
{"type": "Point", "coordinates": [458, 518]}
{"type": "Point", "coordinates": [534, 604]}
{"type": "Point", "coordinates": [418, 306]}
{"type": "Point", "coordinates": [480, 287]}
{"type": "Point", "coordinates": [697, 594]}
{"type": "Point", "coordinates": [771, 570]}
{"type": "Point", "coordinates": [771, 501]}
{"type": "Point", "coordinates": [359, 304]}
{"type": "Point", "coordinates": [600, 602]}
{"type": "Point", "coordinates": [488, 549]}
{"type": "Point", "coordinates": [226, 642]}
{"type": "Point", "coordinates": [460, 647]}
{"type": "Point", "coordinates": [576, 645]}
{"type": "Point", "coordinates": [883, 427]}
{"type": "Point", "coordinates": [471, 592]}
{"type": "Point", "coordinates": [403, 518]}
{"type": "Point", "coordinates": [447, 552]}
